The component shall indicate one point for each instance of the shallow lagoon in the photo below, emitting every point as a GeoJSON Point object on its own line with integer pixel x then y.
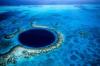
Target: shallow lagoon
{"type": "Point", "coordinates": [78, 24]}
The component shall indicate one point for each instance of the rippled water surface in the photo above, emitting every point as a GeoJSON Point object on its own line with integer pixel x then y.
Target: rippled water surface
{"type": "Point", "coordinates": [77, 28]}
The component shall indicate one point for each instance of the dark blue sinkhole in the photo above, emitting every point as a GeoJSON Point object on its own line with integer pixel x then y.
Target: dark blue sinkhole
{"type": "Point", "coordinates": [37, 38]}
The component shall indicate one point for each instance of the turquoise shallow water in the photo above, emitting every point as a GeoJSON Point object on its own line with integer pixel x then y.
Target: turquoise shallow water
{"type": "Point", "coordinates": [79, 26]}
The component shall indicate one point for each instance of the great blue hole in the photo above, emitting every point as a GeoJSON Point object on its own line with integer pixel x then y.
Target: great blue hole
{"type": "Point", "coordinates": [37, 38]}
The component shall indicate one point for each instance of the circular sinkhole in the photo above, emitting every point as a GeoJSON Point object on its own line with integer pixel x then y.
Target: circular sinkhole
{"type": "Point", "coordinates": [37, 37]}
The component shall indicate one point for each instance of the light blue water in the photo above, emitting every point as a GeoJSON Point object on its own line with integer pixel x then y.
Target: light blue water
{"type": "Point", "coordinates": [79, 25]}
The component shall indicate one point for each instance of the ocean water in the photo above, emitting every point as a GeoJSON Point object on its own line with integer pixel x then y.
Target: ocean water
{"type": "Point", "coordinates": [77, 28]}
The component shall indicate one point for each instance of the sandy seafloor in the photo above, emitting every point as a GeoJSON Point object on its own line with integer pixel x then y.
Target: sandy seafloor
{"type": "Point", "coordinates": [79, 26]}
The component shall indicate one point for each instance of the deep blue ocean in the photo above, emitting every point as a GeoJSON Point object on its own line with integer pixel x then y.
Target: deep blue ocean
{"type": "Point", "coordinates": [76, 27]}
